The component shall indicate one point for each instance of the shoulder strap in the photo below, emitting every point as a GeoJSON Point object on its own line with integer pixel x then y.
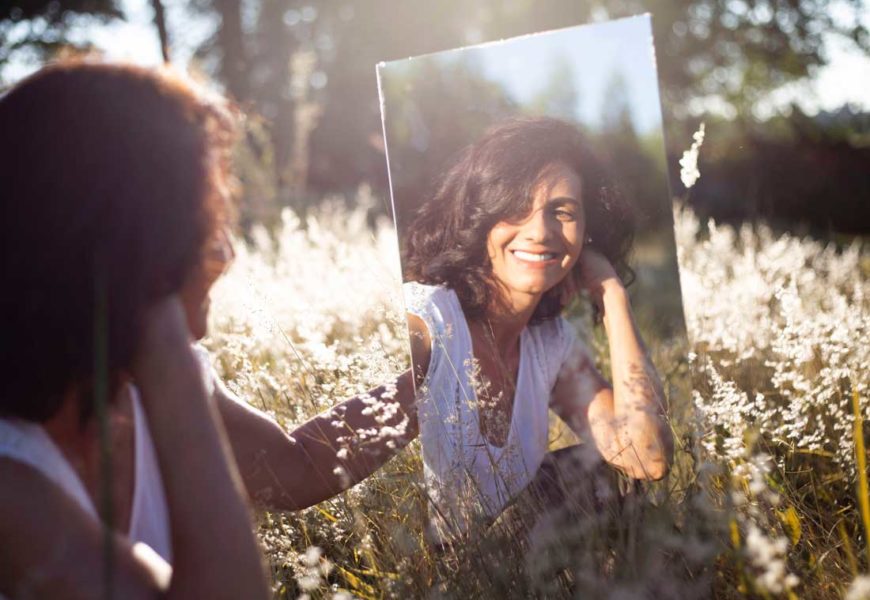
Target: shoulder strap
{"type": "Point", "coordinates": [149, 520]}
{"type": "Point", "coordinates": [29, 444]}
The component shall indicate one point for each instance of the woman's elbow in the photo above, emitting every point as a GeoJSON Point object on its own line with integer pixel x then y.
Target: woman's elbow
{"type": "Point", "coordinates": [656, 470]}
{"type": "Point", "coordinates": [660, 456]}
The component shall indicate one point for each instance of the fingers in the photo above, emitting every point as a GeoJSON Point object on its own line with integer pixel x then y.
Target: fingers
{"type": "Point", "coordinates": [164, 332]}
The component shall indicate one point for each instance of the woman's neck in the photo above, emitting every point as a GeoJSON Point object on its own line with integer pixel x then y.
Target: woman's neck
{"type": "Point", "coordinates": [506, 318]}
{"type": "Point", "coordinates": [80, 445]}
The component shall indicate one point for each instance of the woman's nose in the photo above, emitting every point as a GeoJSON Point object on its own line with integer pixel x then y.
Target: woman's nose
{"type": "Point", "coordinates": [538, 227]}
{"type": "Point", "coordinates": [229, 248]}
{"type": "Point", "coordinates": [220, 254]}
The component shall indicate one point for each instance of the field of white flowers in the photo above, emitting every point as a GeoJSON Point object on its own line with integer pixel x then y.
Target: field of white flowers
{"type": "Point", "coordinates": [764, 500]}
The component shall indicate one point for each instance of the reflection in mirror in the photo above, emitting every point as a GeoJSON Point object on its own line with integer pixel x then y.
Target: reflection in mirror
{"type": "Point", "coordinates": [541, 285]}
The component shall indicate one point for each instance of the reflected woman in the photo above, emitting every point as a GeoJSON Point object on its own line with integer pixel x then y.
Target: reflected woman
{"type": "Point", "coordinates": [521, 222]}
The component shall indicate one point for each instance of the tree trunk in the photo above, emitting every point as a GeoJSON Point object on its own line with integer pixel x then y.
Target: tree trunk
{"type": "Point", "coordinates": [231, 43]}
{"type": "Point", "coordinates": [160, 21]}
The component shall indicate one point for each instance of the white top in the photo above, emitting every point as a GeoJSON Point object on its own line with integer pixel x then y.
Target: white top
{"type": "Point", "coordinates": [469, 479]}
{"type": "Point", "coordinates": [28, 443]}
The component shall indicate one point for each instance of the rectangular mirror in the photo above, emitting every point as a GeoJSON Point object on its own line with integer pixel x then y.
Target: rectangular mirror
{"type": "Point", "coordinates": [527, 176]}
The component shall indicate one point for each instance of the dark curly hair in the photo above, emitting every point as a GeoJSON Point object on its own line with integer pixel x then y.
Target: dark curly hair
{"type": "Point", "coordinates": [492, 181]}
{"type": "Point", "coordinates": [112, 179]}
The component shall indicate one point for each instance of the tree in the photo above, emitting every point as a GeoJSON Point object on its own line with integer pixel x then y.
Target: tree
{"type": "Point", "coordinates": [33, 30]}
{"type": "Point", "coordinates": [560, 96]}
{"type": "Point", "coordinates": [162, 31]}
{"type": "Point", "coordinates": [322, 115]}
{"type": "Point", "coordinates": [735, 50]}
{"type": "Point", "coordinates": [434, 108]}
{"type": "Point", "coordinates": [739, 50]}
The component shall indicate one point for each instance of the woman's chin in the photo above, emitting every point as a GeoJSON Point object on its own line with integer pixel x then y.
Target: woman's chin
{"type": "Point", "coordinates": [197, 321]}
{"type": "Point", "coordinates": [200, 328]}
{"type": "Point", "coordinates": [199, 331]}
{"type": "Point", "coordinates": [538, 286]}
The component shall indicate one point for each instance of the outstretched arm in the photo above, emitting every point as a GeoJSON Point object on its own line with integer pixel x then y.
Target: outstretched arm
{"type": "Point", "coordinates": [332, 451]}
{"type": "Point", "coordinates": [324, 456]}
{"type": "Point", "coordinates": [626, 422]}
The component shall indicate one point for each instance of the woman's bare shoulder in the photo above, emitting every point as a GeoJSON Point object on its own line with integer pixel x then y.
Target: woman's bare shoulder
{"type": "Point", "coordinates": [50, 547]}
{"type": "Point", "coordinates": [421, 346]}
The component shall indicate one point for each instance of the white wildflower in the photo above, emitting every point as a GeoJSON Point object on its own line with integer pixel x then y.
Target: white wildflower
{"type": "Point", "coordinates": [312, 556]}
{"type": "Point", "coordinates": [308, 582]}
{"type": "Point", "coordinates": [795, 307]}
{"type": "Point", "coordinates": [689, 172]}
{"type": "Point", "coordinates": [767, 556]}
{"type": "Point", "coordinates": [859, 589]}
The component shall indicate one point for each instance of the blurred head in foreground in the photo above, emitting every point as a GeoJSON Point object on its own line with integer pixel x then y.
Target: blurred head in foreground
{"type": "Point", "coordinates": [113, 187]}
{"type": "Point", "coordinates": [497, 187]}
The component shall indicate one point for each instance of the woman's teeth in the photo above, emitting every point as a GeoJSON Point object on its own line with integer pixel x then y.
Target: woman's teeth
{"type": "Point", "coordinates": [531, 257]}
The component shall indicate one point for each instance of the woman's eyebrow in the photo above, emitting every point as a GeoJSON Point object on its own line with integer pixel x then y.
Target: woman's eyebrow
{"type": "Point", "coordinates": [565, 200]}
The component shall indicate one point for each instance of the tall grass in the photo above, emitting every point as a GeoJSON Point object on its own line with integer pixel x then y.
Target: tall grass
{"type": "Point", "coordinates": [763, 500]}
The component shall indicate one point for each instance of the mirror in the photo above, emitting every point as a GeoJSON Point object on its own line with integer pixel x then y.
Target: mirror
{"type": "Point", "coordinates": [520, 171]}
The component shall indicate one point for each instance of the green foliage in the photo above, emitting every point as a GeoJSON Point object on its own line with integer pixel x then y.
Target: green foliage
{"type": "Point", "coordinates": [800, 173]}
{"type": "Point", "coordinates": [322, 126]}
{"type": "Point", "coordinates": [34, 30]}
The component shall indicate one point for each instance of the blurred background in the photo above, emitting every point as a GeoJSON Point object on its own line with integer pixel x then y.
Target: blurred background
{"type": "Point", "coordinates": [781, 84]}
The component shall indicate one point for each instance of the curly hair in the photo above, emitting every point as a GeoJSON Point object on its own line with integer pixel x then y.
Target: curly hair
{"type": "Point", "coordinates": [112, 179]}
{"type": "Point", "coordinates": [493, 180]}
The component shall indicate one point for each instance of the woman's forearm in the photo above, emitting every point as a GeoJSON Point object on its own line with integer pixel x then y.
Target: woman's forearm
{"type": "Point", "coordinates": [640, 429]}
{"type": "Point", "coordinates": [327, 454]}
{"type": "Point", "coordinates": [358, 436]}
{"type": "Point", "coordinates": [215, 552]}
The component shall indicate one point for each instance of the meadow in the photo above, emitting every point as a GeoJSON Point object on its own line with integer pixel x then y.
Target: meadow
{"type": "Point", "coordinates": [767, 497]}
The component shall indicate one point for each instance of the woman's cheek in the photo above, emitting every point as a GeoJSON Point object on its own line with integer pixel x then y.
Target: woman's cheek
{"type": "Point", "coordinates": [194, 298]}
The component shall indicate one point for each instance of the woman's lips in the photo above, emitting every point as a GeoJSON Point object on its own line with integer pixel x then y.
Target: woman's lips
{"type": "Point", "coordinates": [536, 258]}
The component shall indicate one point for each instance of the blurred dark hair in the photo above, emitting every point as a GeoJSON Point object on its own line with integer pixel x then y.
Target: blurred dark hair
{"type": "Point", "coordinates": [492, 181]}
{"type": "Point", "coordinates": [112, 179]}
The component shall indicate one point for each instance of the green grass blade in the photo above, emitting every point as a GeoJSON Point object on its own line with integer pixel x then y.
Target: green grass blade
{"type": "Point", "coordinates": [861, 457]}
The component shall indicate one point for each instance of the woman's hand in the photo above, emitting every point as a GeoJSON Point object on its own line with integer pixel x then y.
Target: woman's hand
{"type": "Point", "coordinates": [164, 330]}
{"type": "Point", "coordinates": [627, 422]}
{"type": "Point", "coordinates": [597, 276]}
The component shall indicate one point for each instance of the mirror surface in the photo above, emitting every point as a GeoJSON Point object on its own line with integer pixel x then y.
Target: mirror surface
{"type": "Point", "coordinates": [600, 77]}
{"type": "Point", "coordinates": [525, 174]}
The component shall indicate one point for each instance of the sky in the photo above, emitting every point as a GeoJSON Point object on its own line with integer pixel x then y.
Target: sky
{"type": "Point", "coordinates": [843, 80]}
{"type": "Point", "coordinates": [596, 53]}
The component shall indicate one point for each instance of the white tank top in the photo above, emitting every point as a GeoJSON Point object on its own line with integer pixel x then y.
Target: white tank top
{"type": "Point", "coordinates": [469, 479]}
{"type": "Point", "coordinates": [28, 443]}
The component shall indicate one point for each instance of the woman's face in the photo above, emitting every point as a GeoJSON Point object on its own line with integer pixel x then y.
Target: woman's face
{"type": "Point", "coordinates": [219, 254]}
{"type": "Point", "coordinates": [531, 255]}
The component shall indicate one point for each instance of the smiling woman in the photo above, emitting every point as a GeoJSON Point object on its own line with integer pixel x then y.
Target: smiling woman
{"type": "Point", "coordinates": [496, 180]}
{"type": "Point", "coordinates": [532, 255]}
{"type": "Point", "coordinates": [523, 220]}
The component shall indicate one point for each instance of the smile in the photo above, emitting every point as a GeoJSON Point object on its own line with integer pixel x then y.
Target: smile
{"type": "Point", "coordinates": [534, 257]}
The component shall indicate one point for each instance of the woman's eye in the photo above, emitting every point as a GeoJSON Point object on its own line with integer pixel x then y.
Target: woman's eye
{"type": "Point", "coordinates": [564, 214]}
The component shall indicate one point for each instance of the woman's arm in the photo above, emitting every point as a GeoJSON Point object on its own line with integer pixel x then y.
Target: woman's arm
{"type": "Point", "coordinates": [331, 452]}
{"type": "Point", "coordinates": [215, 552]}
{"type": "Point", "coordinates": [51, 548]}
{"type": "Point", "coordinates": [627, 423]}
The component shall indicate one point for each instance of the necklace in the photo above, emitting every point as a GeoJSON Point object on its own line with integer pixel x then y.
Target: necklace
{"type": "Point", "coordinates": [495, 387]}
